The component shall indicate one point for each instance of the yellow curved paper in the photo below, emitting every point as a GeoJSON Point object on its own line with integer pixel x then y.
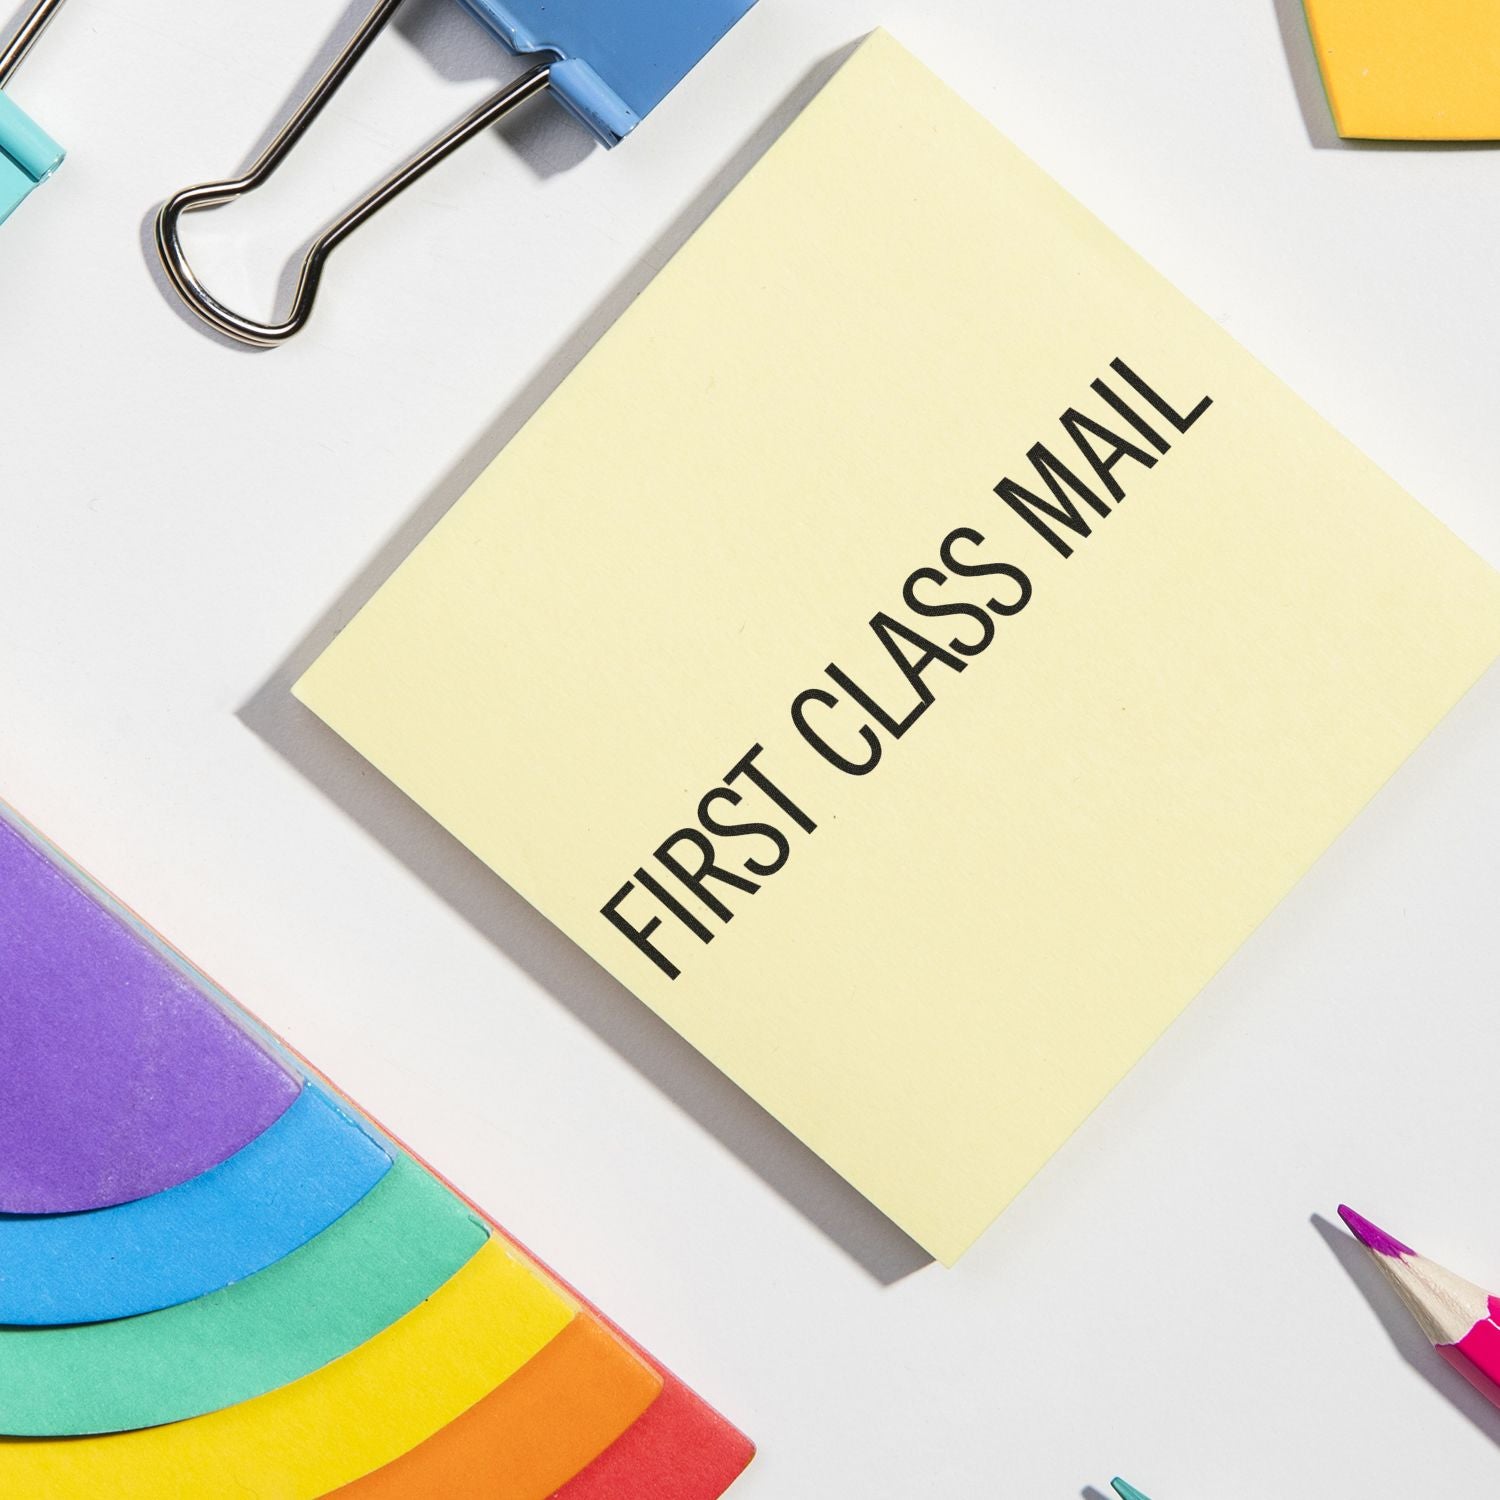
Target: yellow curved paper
{"type": "Point", "coordinates": [1414, 70]}
{"type": "Point", "coordinates": [331, 1427]}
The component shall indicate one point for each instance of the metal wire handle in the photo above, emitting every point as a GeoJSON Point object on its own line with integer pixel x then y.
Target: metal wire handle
{"type": "Point", "coordinates": [25, 38]}
{"type": "Point", "coordinates": [214, 194]}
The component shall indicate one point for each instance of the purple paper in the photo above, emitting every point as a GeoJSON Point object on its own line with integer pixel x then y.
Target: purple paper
{"type": "Point", "coordinates": [119, 1077]}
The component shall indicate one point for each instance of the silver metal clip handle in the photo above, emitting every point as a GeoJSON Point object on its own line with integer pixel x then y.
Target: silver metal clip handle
{"type": "Point", "coordinates": [214, 194]}
{"type": "Point", "coordinates": [25, 39]}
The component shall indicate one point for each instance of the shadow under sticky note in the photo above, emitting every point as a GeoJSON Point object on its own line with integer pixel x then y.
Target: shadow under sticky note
{"type": "Point", "coordinates": [1413, 70]}
{"type": "Point", "coordinates": [290, 1183]}
{"type": "Point", "coordinates": [396, 1246]}
{"type": "Point", "coordinates": [316, 1434]}
{"type": "Point", "coordinates": [121, 1077]}
{"type": "Point", "coordinates": [533, 1433]}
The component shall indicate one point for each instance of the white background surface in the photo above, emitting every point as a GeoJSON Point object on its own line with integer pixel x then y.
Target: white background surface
{"type": "Point", "coordinates": [185, 524]}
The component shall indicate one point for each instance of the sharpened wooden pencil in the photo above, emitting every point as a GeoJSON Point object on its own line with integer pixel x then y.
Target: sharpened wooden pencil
{"type": "Point", "coordinates": [1460, 1319]}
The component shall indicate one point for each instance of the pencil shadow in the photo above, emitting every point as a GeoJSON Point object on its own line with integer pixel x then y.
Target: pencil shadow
{"type": "Point", "coordinates": [1402, 1330]}
{"type": "Point", "coordinates": [1090, 1493]}
{"type": "Point", "coordinates": [1312, 98]}
{"type": "Point", "coordinates": [496, 911]}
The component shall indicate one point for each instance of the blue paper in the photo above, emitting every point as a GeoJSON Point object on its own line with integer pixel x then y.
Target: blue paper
{"type": "Point", "coordinates": [616, 59]}
{"type": "Point", "coordinates": [272, 1196]}
{"type": "Point", "coordinates": [402, 1241]}
{"type": "Point", "coordinates": [28, 155]}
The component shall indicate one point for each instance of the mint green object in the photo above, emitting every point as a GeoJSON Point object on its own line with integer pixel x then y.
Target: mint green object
{"type": "Point", "coordinates": [391, 1251]}
{"type": "Point", "coordinates": [28, 156]}
{"type": "Point", "coordinates": [1127, 1491]}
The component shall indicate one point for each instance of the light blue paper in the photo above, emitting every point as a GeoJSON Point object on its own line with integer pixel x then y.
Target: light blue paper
{"type": "Point", "coordinates": [28, 155]}
{"type": "Point", "coordinates": [290, 1183]}
{"type": "Point", "coordinates": [616, 59]}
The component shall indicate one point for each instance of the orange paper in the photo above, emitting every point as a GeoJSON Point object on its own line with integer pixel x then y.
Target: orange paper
{"type": "Point", "coordinates": [681, 1449]}
{"type": "Point", "coordinates": [1412, 70]}
{"type": "Point", "coordinates": [533, 1432]}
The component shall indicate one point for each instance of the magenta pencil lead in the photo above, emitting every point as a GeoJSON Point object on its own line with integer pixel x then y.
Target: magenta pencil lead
{"type": "Point", "coordinates": [1372, 1236]}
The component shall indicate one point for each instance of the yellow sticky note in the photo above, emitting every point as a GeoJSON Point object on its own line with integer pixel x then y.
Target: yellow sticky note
{"type": "Point", "coordinates": [320, 1432]}
{"type": "Point", "coordinates": [1000, 635]}
{"type": "Point", "coordinates": [1410, 70]}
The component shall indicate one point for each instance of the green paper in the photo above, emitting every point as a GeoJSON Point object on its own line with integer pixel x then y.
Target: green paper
{"type": "Point", "coordinates": [392, 1250]}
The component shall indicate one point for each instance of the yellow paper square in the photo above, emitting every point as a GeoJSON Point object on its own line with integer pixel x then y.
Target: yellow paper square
{"type": "Point", "coordinates": [988, 928]}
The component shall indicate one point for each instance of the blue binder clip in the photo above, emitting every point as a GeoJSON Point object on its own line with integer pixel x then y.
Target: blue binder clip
{"type": "Point", "coordinates": [609, 62]}
{"type": "Point", "coordinates": [28, 155]}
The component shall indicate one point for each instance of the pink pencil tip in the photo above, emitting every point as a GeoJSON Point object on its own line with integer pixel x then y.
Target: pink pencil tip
{"type": "Point", "coordinates": [1372, 1236]}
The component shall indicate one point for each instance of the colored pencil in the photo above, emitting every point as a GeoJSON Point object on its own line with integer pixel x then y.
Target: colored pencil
{"type": "Point", "coordinates": [1126, 1491]}
{"type": "Point", "coordinates": [1461, 1320]}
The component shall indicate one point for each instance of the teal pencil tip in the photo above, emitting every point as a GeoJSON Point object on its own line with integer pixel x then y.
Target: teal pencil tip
{"type": "Point", "coordinates": [1126, 1491]}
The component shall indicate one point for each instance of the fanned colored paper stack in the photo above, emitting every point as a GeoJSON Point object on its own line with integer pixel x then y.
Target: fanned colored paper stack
{"type": "Point", "coordinates": [218, 1278]}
